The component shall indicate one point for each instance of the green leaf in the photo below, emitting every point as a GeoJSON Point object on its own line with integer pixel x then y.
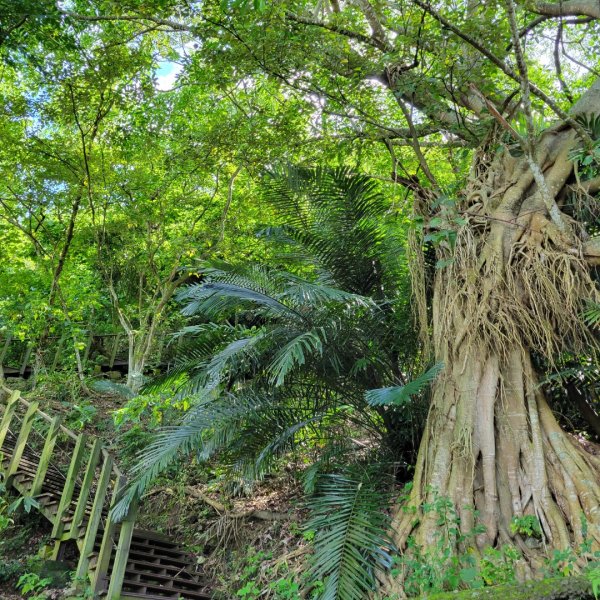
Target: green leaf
{"type": "Point", "coordinates": [351, 540]}
{"type": "Point", "coordinates": [401, 395]}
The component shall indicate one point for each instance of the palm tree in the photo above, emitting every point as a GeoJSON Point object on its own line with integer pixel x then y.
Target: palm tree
{"type": "Point", "coordinates": [315, 358]}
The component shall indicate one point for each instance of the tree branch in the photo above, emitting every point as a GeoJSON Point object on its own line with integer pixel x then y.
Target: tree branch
{"type": "Point", "coordinates": [536, 169]}
{"type": "Point", "coordinates": [175, 25]}
{"type": "Point", "coordinates": [353, 35]}
{"type": "Point", "coordinates": [415, 144]}
{"type": "Point", "coordinates": [507, 70]}
{"type": "Point", "coordinates": [571, 8]}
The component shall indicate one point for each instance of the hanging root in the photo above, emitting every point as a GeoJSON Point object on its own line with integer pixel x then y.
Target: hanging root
{"type": "Point", "coordinates": [516, 286]}
{"type": "Point", "coordinates": [417, 269]}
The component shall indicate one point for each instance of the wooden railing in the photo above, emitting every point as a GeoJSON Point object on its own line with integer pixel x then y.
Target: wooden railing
{"type": "Point", "coordinates": [69, 476]}
{"type": "Point", "coordinates": [17, 355]}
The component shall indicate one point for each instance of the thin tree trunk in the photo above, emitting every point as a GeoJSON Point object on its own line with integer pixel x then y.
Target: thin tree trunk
{"type": "Point", "coordinates": [585, 408]}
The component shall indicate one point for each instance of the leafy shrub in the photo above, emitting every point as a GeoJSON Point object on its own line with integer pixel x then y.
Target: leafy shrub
{"type": "Point", "coordinates": [31, 583]}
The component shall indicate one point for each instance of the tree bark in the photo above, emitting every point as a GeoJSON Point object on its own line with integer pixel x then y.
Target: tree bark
{"type": "Point", "coordinates": [515, 286]}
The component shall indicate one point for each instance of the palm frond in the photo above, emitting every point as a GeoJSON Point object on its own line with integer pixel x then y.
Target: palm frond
{"type": "Point", "coordinates": [401, 395]}
{"type": "Point", "coordinates": [336, 217]}
{"type": "Point", "coordinates": [207, 427]}
{"type": "Point", "coordinates": [317, 293]}
{"type": "Point", "coordinates": [201, 344]}
{"type": "Point", "coordinates": [105, 386]}
{"type": "Point", "coordinates": [351, 540]}
{"type": "Point", "coordinates": [214, 298]}
{"type": "Point", "coordinates": [294, 354]}
{"type": "Point", "coordinates": [235, 357]}
{"type": "Point", "coordinates": [591, 314]}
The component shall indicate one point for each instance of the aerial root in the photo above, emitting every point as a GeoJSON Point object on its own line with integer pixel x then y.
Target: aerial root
{"type": "Point", "coordinates": [515, 462]}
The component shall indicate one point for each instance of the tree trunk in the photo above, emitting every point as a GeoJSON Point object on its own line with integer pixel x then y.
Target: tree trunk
{"type": "Point", "coordinates": [493, 445]}
{"type": "Point", "coordinates": [140, 344]}
{"type": "Point", "coordinates": [515, 286]}
{"type": "Point", "coordinates": [136, 360]}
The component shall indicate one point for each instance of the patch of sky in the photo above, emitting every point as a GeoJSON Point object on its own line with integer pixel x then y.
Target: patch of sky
{"type": "Point", "coordinates": [167, 71]}
{"type": "Point", "coordinates": [166, 74]}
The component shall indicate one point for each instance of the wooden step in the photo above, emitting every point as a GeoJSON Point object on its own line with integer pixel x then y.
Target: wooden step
{"type": "Point", "coordinates": [149, 590]}
{"type": "Point", "coordinates": [157, 568]}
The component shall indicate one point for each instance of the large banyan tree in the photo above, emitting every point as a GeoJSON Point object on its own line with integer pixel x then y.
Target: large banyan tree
{"type": "Point", "coordinates": [513, 87]}
{"type": "Point", "coordinates": [517, 278]}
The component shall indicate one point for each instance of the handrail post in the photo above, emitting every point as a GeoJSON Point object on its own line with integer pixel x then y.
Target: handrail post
{"type": "Point", "coordinates": [122, 555]}
{"type": "Point", "coordinates": [44, 463]}
{"type": "Point", "coordinates": [106, 547]}
{"type": "Point", "coordinates": [67, 493]}
{"type": "Point", "coordinates": [26, 426]}
{"type": "Point", "coordinates": [9, 411]}
{"type": "Point", "coordinates": [86, 487]}
{"type": "Point", "coordinates": [94, 522]}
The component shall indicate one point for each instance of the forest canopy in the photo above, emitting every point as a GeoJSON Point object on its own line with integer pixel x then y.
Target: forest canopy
{"type": "Point", "coordinates": [357, 237]}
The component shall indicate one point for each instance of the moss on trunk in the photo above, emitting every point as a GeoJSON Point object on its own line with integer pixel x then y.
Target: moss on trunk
{"type": "Point", "coordinates": [572, 588]}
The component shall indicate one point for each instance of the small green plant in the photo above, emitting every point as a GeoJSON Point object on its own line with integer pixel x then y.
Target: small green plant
{"type": "Point", "coordinates": [5, 520]}
{"type": "Point", "coordinates": [528, 525]}
{"type": "Point", "coordinates": [286, 589]}
{"type": "Point", "coordinates": [587, 159]}
{"type": "Point", "coordinates": [440, 568]}
{"type": "Point", "coordinates": [594, 578]}
{"type": "Point", "coordinates": [81, 415]}
{"type": "Point", "coordinates": [31, 583]}
{"type": "Point", "coordinates": [562, 562]}
{"type": "Point", "coordinates": [27, 502]}
{"type": "Point", "coordinates": [250, 591]}
{"type": "Point", "coordinates": [498, 565]}
{"type": "Point", "coordinates": [83, 587]}
{"type": "Point", "coordinates": [295, 529]}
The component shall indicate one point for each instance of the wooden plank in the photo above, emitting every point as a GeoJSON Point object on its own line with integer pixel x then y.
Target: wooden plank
{"type": "Point", "coordinates": [94, 522]}
{"type": "Point", "coordinates": [120, 565]}
{"type": "Point", "coordinates": [25, 360]}
{"type": "Point", "coordinates": [106, 547]}
{"type": "Point", "coordinates": [26, 426]}
{"type": "Point", "coordinates": [115, 349]}
{"type": "Point", "coordinates": [44, 463]}
{"type": "Point", "coordinates": [67, 493]}
{"type": "Point", "coordinates": [9, 411]}
{"type": "Point", "coordinates": [86, 486]}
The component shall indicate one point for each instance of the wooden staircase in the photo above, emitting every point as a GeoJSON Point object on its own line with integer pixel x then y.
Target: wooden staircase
{"type": "Point", "coordinates": [70, 476]}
